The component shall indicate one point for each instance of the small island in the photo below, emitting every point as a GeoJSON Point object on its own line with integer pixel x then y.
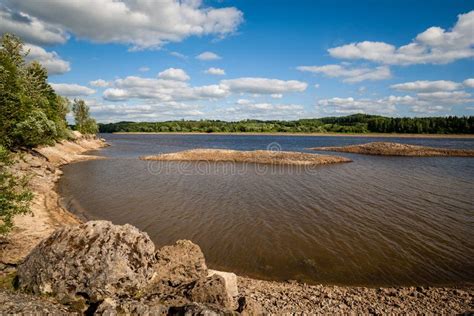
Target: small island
{"type": "Point", "coordinates": [397, 149]}
{"type": "Point", "coordinates": [256, 156]}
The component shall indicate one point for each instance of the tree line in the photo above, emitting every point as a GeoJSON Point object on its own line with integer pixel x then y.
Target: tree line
{"type": "Point", "coordinates": [31, 114]}
{"type": "Point", "coordinates": [357, 123]}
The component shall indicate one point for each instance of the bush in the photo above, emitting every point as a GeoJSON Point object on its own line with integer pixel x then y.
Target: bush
{"type": "Point", "coordinates": [36, 129]}
{"type": "Point", "coordinates": [14, 195]}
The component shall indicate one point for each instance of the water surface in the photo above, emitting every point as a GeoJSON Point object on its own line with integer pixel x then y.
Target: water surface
{"type": "Point", "coordinates": [375, 221]}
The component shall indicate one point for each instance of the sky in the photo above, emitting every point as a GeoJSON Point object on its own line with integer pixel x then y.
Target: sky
{"type": "Point", "coordinates": [159, 60]}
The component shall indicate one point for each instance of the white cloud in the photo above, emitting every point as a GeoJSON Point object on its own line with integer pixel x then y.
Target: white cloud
{"type": "Point", "coordinates": [208, 56]}
{"type": "Point", "coordinates": [427, 86]}
{"type": "Point", "coordinates": [425, 102]}
{"type": "Point", "coordinates": [142, 24]}
{"type": "Point", "coordinates": [469, 83]}
{"type": "Point", "coordinates": [162, 90]}
{"type": "Point", "coordinates": [179, 55]}
{"type": "Point", "coordinates": [71, 90]}
{"type": "Point", "coordinates": [246, 109]}
{"type": "Point", "coordinates": [29, 28]}
{"type": "Point", "coordinates": [114, 94]}
{"type": "Point", "coordinates": [50, 60]}
{"type": "Point", "coordinates": [146, 111]}
{"type": "Point", "coordinates": [144, 69]}
{"type": "Point", "coordinates": [277, 96]}
{"type": "Point", "coordinates": [263, 85]}
{"type": "Point", "coordinates": [215, 71]}
{"type": "Point", "coordinates": [351, 106]}
{"type": "Point", "coordinates": [316, 85]}
{"type": "Point", "coordinates": [174, 74]}
{"type": "Point", "coordinates": [99, 83]}
{"type": "Point", "coordinates": [433, 46]}
{"type": "Point", "coordinates": [350, 75]}
{"type": "Point", "coordinates": [243, 101]}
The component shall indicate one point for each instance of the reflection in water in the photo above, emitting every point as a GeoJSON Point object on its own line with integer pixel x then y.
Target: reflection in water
{"type": "Point", "coordinates": [376, 221]}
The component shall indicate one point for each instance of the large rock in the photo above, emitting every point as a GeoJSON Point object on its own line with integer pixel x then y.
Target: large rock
{"type": "Point", "coordinates": [92, 261]}
{"type": "Point", "coordinates": [180, 263]}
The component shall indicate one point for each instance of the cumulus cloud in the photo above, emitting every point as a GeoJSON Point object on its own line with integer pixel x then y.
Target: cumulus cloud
{"type": "Point", "coordinates": [469, 83]}
{"type": "Point", "coordinates": [29, 28]}
{"type": "Point", "coordinates": [174, 74]}
{"type": "Point", "coordinates": [71, 90]}
{"type": "Point", "coordinates": [144, 69]}
{"type": "Point", "coordinates": [145, 111]}
{"type": "Point", "coordinates": [215, 71]}
{"type": "Point", "coordinates": [351, 106]}
{"type": "Point", "coordinates": [427, 86]}
{"type": "Point", "coordinates": [263, 85]}
{"type": "Point", "coordinates": [208, 56]}
{"type": "Point", "coordinates": [100, 83]}
{"type": "Point", "coordinates": [163, 90]}
{"type": "Point", "coordinates": [50, 60]}
{"type": "Point", "coordinates": [349, 74]}
{"type": "Point", "coordinates": [179, 55]}
{"type": "Point", "coordinates": [423, 103]}
{"type": "Point", "coordinates": [247, 109]}
{"type": "Point", "coordinates": [141, 24]}
{"type": "Point", "coordinates": [433, 46]}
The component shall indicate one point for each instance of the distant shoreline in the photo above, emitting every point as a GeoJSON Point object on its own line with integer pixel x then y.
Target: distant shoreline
{"type": "Point", "coordinates": [375, 135]}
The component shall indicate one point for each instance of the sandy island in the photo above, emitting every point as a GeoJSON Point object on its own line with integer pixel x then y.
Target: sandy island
{"type": "Point", "coordinates": [396, 149]}
{"type": "Point", "coordinates": [256, 156]}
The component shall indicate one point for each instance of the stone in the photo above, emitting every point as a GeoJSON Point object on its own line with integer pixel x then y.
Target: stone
{"type": "Point", "coordinates": [89, 262]}
{"type": "Point", "coordinates": [180, 263]}
{"type": "Point", "coordinates": [210, 290]}
{"type": "Point", "coordinates": [248, 306]}
{"type": "Point", "coordinates": [230, 280]}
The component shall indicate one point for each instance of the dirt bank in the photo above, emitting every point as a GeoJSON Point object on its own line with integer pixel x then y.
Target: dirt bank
{"type": "Point", "coordinates": [42, 165]}
{"type": "Point", "coordinates": [256, 156]}
{"type": "Point", "coordinates": [396, 149]}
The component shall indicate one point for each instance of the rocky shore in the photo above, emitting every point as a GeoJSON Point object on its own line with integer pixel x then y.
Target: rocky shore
{"type": "Point", "coordinates": [396, 149]}
{"type": "Point", "coordinates": [54, 264]}
{"type": "Point", "coordinates": [256, 156]}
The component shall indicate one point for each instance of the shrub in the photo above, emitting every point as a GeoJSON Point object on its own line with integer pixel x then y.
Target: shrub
{"type": "Point", "coordinates": [36, 129]}
{"type": "Point", "coordinates": [14, 195]}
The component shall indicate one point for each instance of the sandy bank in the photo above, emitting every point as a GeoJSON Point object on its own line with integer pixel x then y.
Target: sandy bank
{"type": "Point", "coordinates": [256, 156]}
{"type": "Point", "coordinates": [375, 135]}
{"type": "Point", "coordinates": [396, 149]}
{"type": "Point", "coordinates": [42, 165]}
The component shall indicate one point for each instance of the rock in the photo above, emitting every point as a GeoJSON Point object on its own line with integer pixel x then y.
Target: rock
{"type": "Point", "coordinates": [89, 263]}
{"type": "Point", "coordinates": [248, 306]}
{"type": "Point", "coordinates": [210, 291]}
{"type": "Point", "coordinates": [180, 263]}
{"type": "Point", "coordinates": [230, 280]}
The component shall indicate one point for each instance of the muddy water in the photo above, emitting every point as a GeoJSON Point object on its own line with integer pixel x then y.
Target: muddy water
{"type": "Point", "coordinates": [375, 221]}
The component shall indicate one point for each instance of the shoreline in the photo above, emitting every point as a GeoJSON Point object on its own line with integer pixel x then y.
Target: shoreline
{"type": "Point", "coordinates": [47, 212]}
{"type": "Point", "coordinates": [274, 296]}
{"type": "Point", "coordinates": [368, 135]}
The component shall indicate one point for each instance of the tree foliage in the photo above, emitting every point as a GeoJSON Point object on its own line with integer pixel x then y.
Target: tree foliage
{"type": "Point", "coordinates": [14, 195]}
{"type": "Point", "coordinates": [358, 123]}
{"type": "Point", "coordinates": [31, 113]}
{"type": "Point", "coordinates": [84, 123]}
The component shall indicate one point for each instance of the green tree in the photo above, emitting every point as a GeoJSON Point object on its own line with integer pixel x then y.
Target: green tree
{"type": "Point", "coordinates": [15, 197]}
{"type": "Point", "coordinates": [84, 123]}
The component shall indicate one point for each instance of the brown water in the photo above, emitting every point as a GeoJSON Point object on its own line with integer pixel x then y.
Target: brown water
{"type": "Point", "coordinates": [375, 221]}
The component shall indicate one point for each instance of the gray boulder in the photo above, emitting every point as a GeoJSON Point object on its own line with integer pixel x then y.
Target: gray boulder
{"type": "Point", "coordinates": [89, 263]}
{"type": "Point", "coordinates": [180, 263]}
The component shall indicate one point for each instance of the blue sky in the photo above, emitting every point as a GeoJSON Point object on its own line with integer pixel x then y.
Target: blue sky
{"type": "Point", "coordinates": [161, 60]}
